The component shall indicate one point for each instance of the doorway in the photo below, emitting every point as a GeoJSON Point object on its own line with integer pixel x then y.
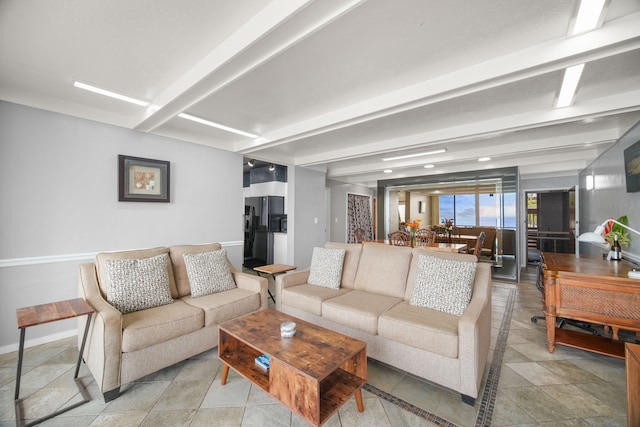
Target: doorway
{"type": "Point", "coordinates": [551, 221]}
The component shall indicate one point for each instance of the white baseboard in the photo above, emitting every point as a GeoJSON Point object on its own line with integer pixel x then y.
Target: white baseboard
{"type": "Point", "coordinates": [37, 341]}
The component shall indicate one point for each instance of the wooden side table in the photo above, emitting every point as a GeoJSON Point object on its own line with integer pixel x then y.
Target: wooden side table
{"type": "Point", "coordinates": [45, 313]}
{"type": "Point", "coordinates": [273, 269]}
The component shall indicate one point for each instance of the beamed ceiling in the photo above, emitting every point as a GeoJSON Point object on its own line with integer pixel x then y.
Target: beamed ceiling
{"type": "Point", "coordinates": [338, 85]}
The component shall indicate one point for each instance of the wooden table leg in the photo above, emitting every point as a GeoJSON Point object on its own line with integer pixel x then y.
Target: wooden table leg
{"type": "Point", "coordinates": [550, 322]}
{"type": "Point", "coordinates": [359, 403]}
{"type": "Point", "coordinates": [225, 372]}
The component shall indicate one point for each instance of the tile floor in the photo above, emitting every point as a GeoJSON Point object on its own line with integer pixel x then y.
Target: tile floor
{"type": "Point", "coordinates": [569, 387]}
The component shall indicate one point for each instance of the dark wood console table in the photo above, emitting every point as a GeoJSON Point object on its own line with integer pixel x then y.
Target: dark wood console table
{"type": "Point", "coordinates": [593, 290]}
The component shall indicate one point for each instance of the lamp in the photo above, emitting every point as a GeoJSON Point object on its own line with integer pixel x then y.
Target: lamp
{"type": "Point", "coordinates": [251, 163]}
{"type": "Point", "coordinates": [595, 236]}
{"type": "Point", "coordinates": [272, 167]}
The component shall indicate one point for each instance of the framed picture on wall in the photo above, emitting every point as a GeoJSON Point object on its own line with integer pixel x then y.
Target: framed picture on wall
{"type": "Point", "coordinates": [632, 167]}
{"type": "Point", "coordinates": [143, 180]}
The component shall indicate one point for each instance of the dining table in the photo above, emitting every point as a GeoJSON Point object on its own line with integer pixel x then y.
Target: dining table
{"type": "Point", "coordinates": [444, 247]}
{"type": "Point", "coordinates": [468, 239]}
{"type": "Point", "coordinates": [437, 247]}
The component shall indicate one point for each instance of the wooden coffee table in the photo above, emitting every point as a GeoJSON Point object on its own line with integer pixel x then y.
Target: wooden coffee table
{"type": "Point", "coordinates": [313, 373]}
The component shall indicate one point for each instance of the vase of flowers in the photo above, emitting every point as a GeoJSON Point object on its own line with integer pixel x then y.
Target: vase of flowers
{"type": "Point", "coordinates": [613, 232]}
{"type": "Point", "coordinates": [447, 224]}
{"type": "Point", "coordinates": [412, 227]}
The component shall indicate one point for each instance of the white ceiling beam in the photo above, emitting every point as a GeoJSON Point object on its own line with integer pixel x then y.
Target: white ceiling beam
{"type": "Point", "coordinates": [464, 132]}
{"type": "Point", "coordinates": [616, 37]}
{"type": "Point", "coordinates": [487, 148]}
{"type": "Point", "coordinates": [236, 56]}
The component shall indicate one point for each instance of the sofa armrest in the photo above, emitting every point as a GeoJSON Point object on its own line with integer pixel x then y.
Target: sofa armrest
{"type": "Point", "coordinates": [103, 350]}
{"type": "Point", "coordinates": [253, 283]}
{"type": "Point", "coordinates": [292, 278]}
{"type": "Point", "coordinates": [474, 333]}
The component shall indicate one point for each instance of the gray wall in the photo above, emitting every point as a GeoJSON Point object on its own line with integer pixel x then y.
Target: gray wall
{"type": "Point", "coordinates": [59, 188]}
{"type": "Point", "coordinates": [338, 218]}
{"type": "Point", "coordinates": [307, 192]}
{"type": "Point", "coordinates": [609, 198]}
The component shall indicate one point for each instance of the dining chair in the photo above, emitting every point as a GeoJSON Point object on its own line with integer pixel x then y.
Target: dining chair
{"type": "Point", "coordinates": [400, 238]}
{"type": "Point", "coordinates": [425, 237]}
{"type": "Point", "coordinates": [455, 232]}
{"type": "Point", "coordinates": [441, 234]}
{"type": "Point", "coordinates": [478, 248]}
{"type": "Point", "coordinates": [359, 235]}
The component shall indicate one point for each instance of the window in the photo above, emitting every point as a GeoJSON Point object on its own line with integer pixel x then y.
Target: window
{"type": "Point", "coordinates": [532, 210]}
{"type": "Point", "coordinates": [488, 210]}
{"type": "Point", "coordinates": [465, 205]}
{"type": "Point", "coordinates": [509, 213]}
{"type": "Point", "coordinates": [479, 210]}
{"type": "Point", "coordinates": [447, 205]}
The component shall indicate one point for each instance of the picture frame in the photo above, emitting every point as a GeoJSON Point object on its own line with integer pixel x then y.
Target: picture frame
{"type": "Point", "coordinates": [143, 180]}
{"type": "Point", "coordinates": [632, 167]}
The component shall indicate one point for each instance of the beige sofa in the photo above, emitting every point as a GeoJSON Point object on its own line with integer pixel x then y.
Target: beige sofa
{"type": "Point", "coordinates": [372, 304]}
{"type": "Point", "coordinates": [121, 348]}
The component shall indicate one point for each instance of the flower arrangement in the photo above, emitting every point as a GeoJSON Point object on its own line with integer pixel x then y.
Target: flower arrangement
{"type": "Point", "coordinates": [412, 226]}
{"type": "Point", "coordinates": [611, 230]}
{"type": "Point", "coordinates": [447, 224]}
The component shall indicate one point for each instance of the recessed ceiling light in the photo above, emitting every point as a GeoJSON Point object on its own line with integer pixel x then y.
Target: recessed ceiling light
{"type": "Point", "coordinates": [588, 16]}
{"type": "Point", "coordinates": [484, 159]}
{"type": "Point", "coordinates": [407, 156]}
{"type": "Point", "coordinates": [216, 125]}
{"type": "Point", "coordinates": [429, 166]}
{"type": "Point", "coordinates": [569, 85]}
{"type": "Point", "coordinates": [110, 94]}
{"type": "Point", "coordinates": [388, 171]}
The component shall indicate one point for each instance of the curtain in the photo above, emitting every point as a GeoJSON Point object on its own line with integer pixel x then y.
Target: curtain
{"type": "Point", "coordinates": [359, 216]}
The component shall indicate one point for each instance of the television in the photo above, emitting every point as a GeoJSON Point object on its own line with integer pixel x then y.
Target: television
{"type": "Point", "coordinates": [632, 167]}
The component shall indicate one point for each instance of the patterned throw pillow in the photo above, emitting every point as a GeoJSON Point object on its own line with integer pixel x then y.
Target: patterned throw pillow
{"type": "Point", "coordinates": [208, 273]}
{"type": "Point", "coordinates": [138, 284]}
{"type": "Point", "coordinates": [326, 267]}
{"type": "Point", "coordinates": [443, 284]}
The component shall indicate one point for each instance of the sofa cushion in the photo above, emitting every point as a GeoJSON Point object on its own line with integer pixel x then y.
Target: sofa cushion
{"type": "Point", "coordinates": [142, 329]}
{"type": "Point", "coordinates": [226, 305]}
{"type": "Point", "coordinates": [443, 284]}
{"type": "Point", "coordinates": [415, 263]}
{"type": "Point", "coordinates": [358, 309]}
{"type": "Point", "coordinates": [138, 284]}
{"type": "Point", "coordinates": [208, 273]}
{"type": "Point", "coordinates": [101, 258]}
{"type": "Point", "coordinates": [422, 328]}
{"type": "Point", "coordinates": [309, 298]}
{"type": "Point", "coordinates": [383, 269]}
{"type": "Point", "coordinates": [326, 267]}
{"type": "Point", "coordinates": [352, 253]}
{"type": "Point", "coordinates": [179, 268]}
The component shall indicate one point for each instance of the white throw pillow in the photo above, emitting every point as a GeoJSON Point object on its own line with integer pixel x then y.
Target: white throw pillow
{"type": "Point", "coordinates": [208, 273]}
{"type": "Point", "coordinates": [326, 267]}
{"type": "Point", "coordinates": [443, 284]}
{"type": "Point", "coordinates": [138, 284]}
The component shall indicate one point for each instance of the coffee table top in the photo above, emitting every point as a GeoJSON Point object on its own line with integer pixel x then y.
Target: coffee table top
{"type": "Point", "coordinates": [314, 350]}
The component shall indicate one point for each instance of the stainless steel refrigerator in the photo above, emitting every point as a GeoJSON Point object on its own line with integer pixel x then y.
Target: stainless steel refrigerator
{"type": "Point", "coordinates": [263, 216]}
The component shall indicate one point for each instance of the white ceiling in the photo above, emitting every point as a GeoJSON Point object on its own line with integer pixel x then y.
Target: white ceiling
{"type": "Point", "coordinates": [337, 84]}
